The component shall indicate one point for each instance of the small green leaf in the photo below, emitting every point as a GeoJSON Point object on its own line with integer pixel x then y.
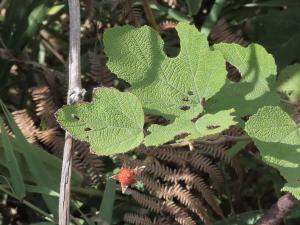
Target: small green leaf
{"type": "Point", "coordinates": [112, 123]}
{"type": "Point", "coordinates": [205, 126]}
{"type": "Point", "coordinates": [211, 124]}
{"type": "Point", "coordinates": [289, 82]}
{"type": "Point", "coordinates": [12, 164]}
{"type": "Point", "coordinates": [165, 85]}
{"type": "Point", "coordinates": [278, 139]}
{"type": "Point", "coordinates": [181, 126]}
{"type": "Point", "coordinates": [258, 70]}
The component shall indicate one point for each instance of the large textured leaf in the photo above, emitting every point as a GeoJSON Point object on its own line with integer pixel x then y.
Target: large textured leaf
{"type": "Point", "coordinates": [278, 139]}
{"type": "Point", "coordinates": [257, 69]}
{"type": "Point", "coordinates": [165, 85]}
{"type": "Point", "coordinates": [279, 32]}
{"type": "Point", "coordinates": [112, 123]}
{"type": "Point", "coordinates": [289, 82]}
{"type": "Point", "coordinates": [206, 125]}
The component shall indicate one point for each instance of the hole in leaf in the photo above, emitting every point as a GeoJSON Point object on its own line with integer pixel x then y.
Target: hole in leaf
{"type": "Point", "coordinates": [172, 42]}
{"type": "Point", "coordinates": [87, 129]}
{"type": "Point", "coordinates": [75, 117]}
{"type": "Point", "coordinates": [185, 107]}
{"type": "Point", "coordinates": [233, 73]}
{"type": "Point", "coordinates": [180, 136]}
{"type": "Point", "coordinates": [211, 127]}
{"type": "Point", "coordinates": [186, 99]}
{"type": "Point", "coordinates": [190, 93]}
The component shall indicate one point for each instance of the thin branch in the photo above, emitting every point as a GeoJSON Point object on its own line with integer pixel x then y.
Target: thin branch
{"type": "Point", "coordinates": [74, 95]}
{"type": "Point", "coordinates": [279, 211]}
{"type": "Point", "coordinates": [149, 14]}
{"type": "Point", "coordinates": [221, 139]}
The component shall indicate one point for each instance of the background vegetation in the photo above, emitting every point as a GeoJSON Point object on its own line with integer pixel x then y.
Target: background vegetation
{"type": "Point", "coordinates": [33, 85]}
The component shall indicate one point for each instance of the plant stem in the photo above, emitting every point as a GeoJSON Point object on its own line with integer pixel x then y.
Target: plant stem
{"type": "Point", "coordinates": [279, 210]}
{"type": "Point", "coordinates": [74, 95]}
{"type": "Point", "coordinates": [149, 14]}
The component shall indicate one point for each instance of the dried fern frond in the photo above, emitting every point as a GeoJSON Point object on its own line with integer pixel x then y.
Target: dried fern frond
{"type": "Point", "coordinates": [177, 191]}
{"type": "Point", "coordinates": [45, 106]}
{"type": "Point", "coordinates": [99, 71]}
{"type": "Point", "coordinates": [167, 24]}
{"type": "Point", "coordinates": [26, 125]}
{"type": "Point", "coordinates": [137, 219]}
{"type": "Point", "coordinates": [191, 180]}
{"type": "Point", "coordinates": [90, 165]}
{"type": "Point", "coordinates": [53, 140]}
{"type": "Point", "coordinates": [223, 32]}
{"type": "Point", "coordinates": [146, 201]}
{"type": "Point", "coordinates": [180, 215]}
{"type": "Point", "coordinates": [128, 11]}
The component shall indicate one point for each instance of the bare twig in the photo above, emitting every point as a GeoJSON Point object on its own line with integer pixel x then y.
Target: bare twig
{"type": "Point", "coordinates": [279, 210]}
{"type": "Point", "coordinates": [219, 140]}
{"type": "Point", "coordinates": [74, 95]}
{"type": "Point", "coordinates": [149, 14]}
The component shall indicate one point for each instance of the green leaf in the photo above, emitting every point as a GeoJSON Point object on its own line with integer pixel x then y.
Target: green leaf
{"type": "Point", "coordinates": [279, 32]}
{"type": "Point", "coordinates": [12, 164]}
{"type": "Point", "coordinates": [278, 139]}
{"type": "Point", "coordinates": [182, 125]}
{"type": "Point", "coordinates": [112, 123]}
{"type": "Point", "coordinates": [107, 203]}
{"type": "Point", "coordinates": [257, 69]}
{"type": "Point", "coordinates": [288, 82]}
{"type": "Point", "coordinates": [205, 126]}
{"type": "Point", "coordinates": [165, 85]}
{"type": "Point", "coordinates": [211, 124]}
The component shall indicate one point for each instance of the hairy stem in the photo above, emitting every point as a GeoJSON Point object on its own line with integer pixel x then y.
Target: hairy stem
{"type": "Point", "coordinates": [74, 95]}
{"type": "Point", "coordinates": [279, 210]}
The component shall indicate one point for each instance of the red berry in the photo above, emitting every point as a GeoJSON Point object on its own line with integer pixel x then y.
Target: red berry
{"type": "Point", "coordinates": [126, 176]}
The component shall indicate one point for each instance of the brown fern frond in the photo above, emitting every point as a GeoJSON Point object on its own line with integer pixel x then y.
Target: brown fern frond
{"type": "Point", "coordinates": [223, 32]}
{"type": "Point", "coordinates": [128, 11]}
{"type": "Point", "coordinates": [180, 215]}
{"type": "Point", "coordinates": [203, 163]}
{"type": "Point", "coordinates": [177, 191]}
{"type": "Point", "coordinates": [45, 106]}
{"type": "Point", "coordinates": [26, 125]}
{"type": "Point", "coordinates": [100, 72]}
{"type": "Point", "coordinates": [167, 24]}
{"type": "Point", "coordinates": [146, 201]}
{"type": "Point", "coordinates": [137, 219]}
{"type": "Point", "coordinates": [92, 163]}
{"type": "Point", "coordinates": [191, 180]}
{"type": "Point", "coordinates": [53, 139]}
{"type": "Point", "coordinates": [85, 161]}
{"type": "Point", "coordinates": [177, 156]}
